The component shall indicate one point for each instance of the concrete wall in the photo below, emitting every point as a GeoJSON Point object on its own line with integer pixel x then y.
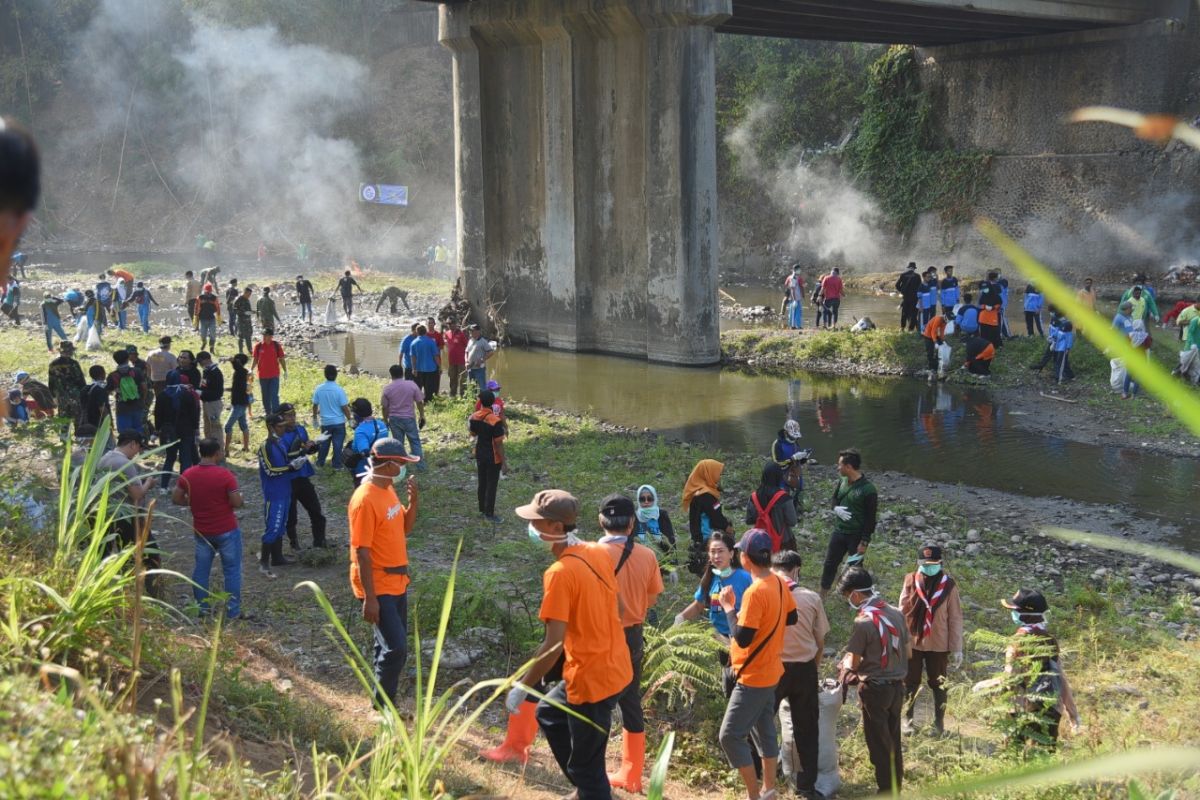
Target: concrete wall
{"type": "Point", "coordinates": [585, 147]}
{"type": "Point", "coordinates": [1087, 197]}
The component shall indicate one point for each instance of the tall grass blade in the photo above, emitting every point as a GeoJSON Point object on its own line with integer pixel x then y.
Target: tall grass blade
{"type": "Point", "coordinates": [658, 773]}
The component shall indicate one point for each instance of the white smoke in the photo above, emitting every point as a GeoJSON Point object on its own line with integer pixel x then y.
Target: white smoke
{"type": "Point", "coordinates": [831, 221]}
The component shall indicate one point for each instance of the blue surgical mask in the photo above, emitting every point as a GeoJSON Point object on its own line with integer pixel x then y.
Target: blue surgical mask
{"type": "Point", "coordinates": [1016, 618]}
{"type": "Point", "coordinates": [534, 535]}
{"type": "Point", "coordinates": [403, 474]}
{"type": "Point", "coordinates": [647, 513]}
{"type": "Point", "coordinates": [929, 569]}
{"type": "Point", "coordinates": [723, 573]}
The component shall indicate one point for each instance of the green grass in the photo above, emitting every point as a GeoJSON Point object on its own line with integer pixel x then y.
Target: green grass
{"type": "Point", "coordinates": [877, 352]}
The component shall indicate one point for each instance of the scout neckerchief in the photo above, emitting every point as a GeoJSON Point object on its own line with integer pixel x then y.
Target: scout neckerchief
{"type": "Point", "coordinates": [873, 610]}
{"type": "Point", "coordinates": [932, 602]}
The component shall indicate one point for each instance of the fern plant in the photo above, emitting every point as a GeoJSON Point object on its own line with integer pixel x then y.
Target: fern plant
{"type": "Point", "coordinates": [679, 664]}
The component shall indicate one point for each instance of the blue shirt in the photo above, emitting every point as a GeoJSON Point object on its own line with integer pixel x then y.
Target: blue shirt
{"type": "Point", "coordinates": [424, 353]}
{"type": "Point", "coordinates": [366, 435]}
{"type": "Point", "coordinates": [293, 440]}
{"type": "Point", "coordinates": [967, 319]}
{"type": "Point", "coordinates": [740, 580]}
{"type": "Point", "coordinates": [1123, 323]}
{"type": "Point", "coordinates": [1061, 340]}
{"type": "Point", "coordinates": [1033, 301]}
{"type": "Point", "coordinates": [329, 398]}
{"type": "Point", "coordinates": [405, 350]}
{"type": "Point", "coordinates": [949, 291]}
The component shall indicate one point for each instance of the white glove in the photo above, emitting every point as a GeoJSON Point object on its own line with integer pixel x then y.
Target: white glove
{"type": "Point", "coordinates": [679, 620]}
{"type": "Point", "coordinates": [842, 513]}
{"type": "Point", "coordinates": [297, 462]}
{"type": "Point", "coordinates": [516, 696]}
{"type": "Point", "coordinates": [956, 660]}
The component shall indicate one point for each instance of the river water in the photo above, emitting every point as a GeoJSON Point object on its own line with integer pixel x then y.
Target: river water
{"type": "Point", "coordinates": [950, 434]}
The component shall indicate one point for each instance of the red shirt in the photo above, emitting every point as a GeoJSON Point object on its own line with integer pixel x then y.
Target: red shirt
{"type": "Point", "coordinates": [456, 347]}
{"type": "Point", "coordinates": [268, 359]}
{"type": "Point", "coordinates": [208, 487]}
{"type": "Point", "coordinates": [831, 287]}
{"type": "Point", "coordinates": [438, 337]}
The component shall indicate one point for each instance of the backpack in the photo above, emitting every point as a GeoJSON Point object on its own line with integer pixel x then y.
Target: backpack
{"type": "Point", "coordinates": [174, 393]}
{"type": "Point", "coordinates": [127, 387]}
{"type": "Point", "coordinates": [351, 458]}
{"type": "Point", "coordinates": [764, 518]}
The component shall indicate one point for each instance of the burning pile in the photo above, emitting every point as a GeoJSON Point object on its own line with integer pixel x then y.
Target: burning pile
{"type": "Point", "coordinates": [1183, 275]}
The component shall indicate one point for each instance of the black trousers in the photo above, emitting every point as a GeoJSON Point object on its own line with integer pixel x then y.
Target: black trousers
{"type": "Point", "coordinates": [839, 545]}
{"type": "Point", "coordinates": [1047, 355]}
{"type": "Point", "coordinates": [125, 529]}
{"type": "Point", "coordinates": [831, 311]}
{"type": "Point", "coordinates": [1062, 366]}
{"type": "Point", "coordinates": [578, 744]}
{"type": "Point", "coordinates": [934, 666]}
{"type": "Point", "coordinates": [882, 705]}
{"type": "Point", "coordinates": [1033, 318]}
{"type": "Point", "coordinates": [799, 687]}
{"type": "Point", "coordinates": [908, 314]}
{"type": "Point", "coordinates": [429, 382]}
{"type": "Point", "coordinates": [305, 494]}
{"type": "Point", "coordinates": [630, 700]}
{"type": "Point", "coordinates": [489, 479]}
{"type": "Point", "coordinates": [931, 358]}
{"type": "Point", "coordinates": [992, 334]}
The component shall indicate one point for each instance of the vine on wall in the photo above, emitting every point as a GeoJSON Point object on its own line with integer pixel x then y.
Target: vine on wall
{"type": "Point", "coordinates": [900, 155]}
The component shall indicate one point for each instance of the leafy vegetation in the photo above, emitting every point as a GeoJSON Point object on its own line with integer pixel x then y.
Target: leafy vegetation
{"type": "Point", "coordinates": [899, 154]}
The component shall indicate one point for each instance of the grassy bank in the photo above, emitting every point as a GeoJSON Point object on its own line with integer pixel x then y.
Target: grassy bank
{"type": "Point", "coordinates": [1130, 650]}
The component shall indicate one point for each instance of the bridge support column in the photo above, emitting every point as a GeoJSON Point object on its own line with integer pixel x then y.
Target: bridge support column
{"type": "Point", "coordinates": [586, 171]}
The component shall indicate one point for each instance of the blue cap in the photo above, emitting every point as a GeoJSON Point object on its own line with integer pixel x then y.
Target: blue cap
{"type": "Point", "coordinates": [755, 540]}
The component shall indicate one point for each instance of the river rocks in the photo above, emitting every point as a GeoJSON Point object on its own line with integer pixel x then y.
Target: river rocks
{"type": "Point", "coordinates": [1162, 577]}
{"type": "Point", "coordinates": [1015, 539]}
{"type": "Point", "coordinates": [973, 549]}
{"type": "Point", "coordinates": [915, 521]}
{"type": "Point", "coordinates": [972, 535]}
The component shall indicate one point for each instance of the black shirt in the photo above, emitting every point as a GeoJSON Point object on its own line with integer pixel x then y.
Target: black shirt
{"type": "Point", "coordinates": [304, 289]}
{"type": "Point", "coordinates": [95, 404]}
{"type": "Point", "coordinates": [212, 384]}
{"type": "Point", "coordinates": [207, 306]}
{"type": "Point", "coordinates": [345, 285]}
{"type": "Point", "coordinates": [908, 285]}
{"type": "Point", "coordinates": [239, 394]}
{"type": "Point", "coordinates": [705, 505]}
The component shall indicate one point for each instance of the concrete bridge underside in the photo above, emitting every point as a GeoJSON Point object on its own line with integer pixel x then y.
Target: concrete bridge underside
{"type": "Point", "coordinates": [586, 152]}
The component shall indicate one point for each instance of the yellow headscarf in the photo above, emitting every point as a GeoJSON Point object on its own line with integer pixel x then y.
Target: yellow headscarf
{"type": "Point", "coordinates": [704, 478]}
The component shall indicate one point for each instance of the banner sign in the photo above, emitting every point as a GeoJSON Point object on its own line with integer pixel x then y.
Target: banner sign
{"type": "Point", "coordinates": [383, 194]}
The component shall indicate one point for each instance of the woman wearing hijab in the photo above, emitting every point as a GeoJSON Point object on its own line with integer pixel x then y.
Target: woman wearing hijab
{"type": "Point", "coordinates": [771, 509]}
{"type": "Point", "coordinates": [702, 502]}
{"type": "Point", "coordinates": [653, 526]}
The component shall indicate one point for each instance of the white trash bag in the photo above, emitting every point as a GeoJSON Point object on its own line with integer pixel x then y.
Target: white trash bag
{"type": "Point", "coordinates": [81, 330]}
{"type": "Point", "coordinates": [943, 353]}
{"type": "Point", "coordinates": [829, 698]}
{"type": "Point", "coordinates": [93, 338]}
{"type": "Point", "coordinates": [950, 328]}
{"type": "Point", "coordinates": [331, 316]}
{"type": "Point", "coordinates": [1189, 365]}
{"type": "Point", "coordinates": [1116, 378]}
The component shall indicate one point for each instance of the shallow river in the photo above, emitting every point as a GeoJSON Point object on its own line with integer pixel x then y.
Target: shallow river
{"type": "Point", "coordinates": [938, 433]}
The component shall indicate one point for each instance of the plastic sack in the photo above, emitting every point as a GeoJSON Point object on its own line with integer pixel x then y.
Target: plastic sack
{"type": "Point", "coordinates": [93, 338]}
{"type": "Point", "coordinates": [81, 330]}
{"type": "Point", "coordinates": [1116, 378]}
{"type": "Point", "coordinates": [950, 328]}
{"type": "Point", "coordinates": [943, 353]}
{"type": "Point", "coordinates": [829, 780]}
{"type": "Point", "coordinates": [1189, 365]}
{"type": "Point", "coordinates": [331, 316]}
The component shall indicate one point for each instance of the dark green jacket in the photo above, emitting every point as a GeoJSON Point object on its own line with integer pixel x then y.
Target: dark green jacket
{"type": "Point", "coordinates": [861, 499]}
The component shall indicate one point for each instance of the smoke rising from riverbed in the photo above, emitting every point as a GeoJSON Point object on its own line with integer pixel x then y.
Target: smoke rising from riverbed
{"type": "Point", "coordinates": [242, 124]}
{"type": "Point", "coordinates": [830, 220]}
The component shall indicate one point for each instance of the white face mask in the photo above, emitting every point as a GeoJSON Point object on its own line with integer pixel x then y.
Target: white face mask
{"type": "Point", "coordinates": [370, 474]}
{"type": "Point", "coordinates": [552, 538]}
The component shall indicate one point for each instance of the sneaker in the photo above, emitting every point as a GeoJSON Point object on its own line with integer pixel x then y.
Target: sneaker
{"type": "Point", "coordinates": [265, 571]}
{"type": "Point", "coordinates": [493, 518]}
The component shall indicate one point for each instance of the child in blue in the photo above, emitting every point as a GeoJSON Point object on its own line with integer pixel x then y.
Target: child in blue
{"type": "Point", "coordinates": [928, 297]}
{"type": "Point", "coordinates": [17, 411]}
{"type": "Point", "coordinates": [1033, 310]}
{"type": "Point", "coordinates": [721, 572]}
{"type": "Point", "coordinates": [949, 292]}
{"type": "Point", "coordinates": [142, 299]}
{"type": "Point", "coordinates": [275, 473]}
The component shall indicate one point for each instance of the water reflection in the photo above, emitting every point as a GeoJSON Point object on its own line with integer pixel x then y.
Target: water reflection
{"type": "Point", "coordinates": [953, 434]}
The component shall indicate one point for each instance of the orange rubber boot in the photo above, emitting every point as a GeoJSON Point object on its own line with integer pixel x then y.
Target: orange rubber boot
{"type": "Point", "coordinates": [522, 728]}
{"type": "Point", "coordinates": [633, 762]}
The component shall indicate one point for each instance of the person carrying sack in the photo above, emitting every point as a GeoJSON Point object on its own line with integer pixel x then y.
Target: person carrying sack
{"type": "Point", "coordinates": [755, 664]}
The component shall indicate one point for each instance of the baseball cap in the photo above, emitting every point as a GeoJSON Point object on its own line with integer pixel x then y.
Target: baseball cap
{"type": "Point", "coordinates": [272, 419]}
{"type": "Point", "coordinates": [755, 540]}
{"type": "Point", "coordinates": [551, 504]}
{"type": "Point", "coordinates": [617, 505]}
{"type": "Point", "coordinates": [285, 408]}
{"type": "Point", "coordinates": [930, 552]}
{"type": "Point", "coordinates": [492, 386]}
{"type": "Point", "coordinates": [391, 449]}
{"type": "Point", "coordinates": [1027, 601]}
{"type": "Point", "coordinates": [21, 375]}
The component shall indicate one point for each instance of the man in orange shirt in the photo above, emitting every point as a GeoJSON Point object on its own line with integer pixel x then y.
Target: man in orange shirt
{"type": "Point", "coordinates": [582, 614]}
{"type": "Point", "coordinates": [639, 583]}
{"type": "Point", "coordinates": [934, 334]}
{"type": "Point", "coordinates": [379, 526]}
{"type": "Point", "coordinates": [756, 661]}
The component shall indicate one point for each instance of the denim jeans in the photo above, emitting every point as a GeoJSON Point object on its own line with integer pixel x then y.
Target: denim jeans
{"type": "Point", "coordinates": [53, 326]}
{"type": "Point", "coordinates": [208, 331]}
{"type": "Point", "coordinates": [479, 375]}
{"type": "Point", "coordinates": [130, 420]}
{"type": "Point", "coordinates": [270, 394]}
{"type": "Point", "coordinates": [229, 547]}
{"type": "Point", "coordinates": [391, 643]}
{"type": "Point", "coordinates": [143, 310]}
{"type": "Point", "coordinates": [337, 434]}
{"type": "Point", "coordinates": [306, 311]}
{"type": "Point", "coordinates": [237, 416]}
{"type": "Point", "coordinates": [406, 427]}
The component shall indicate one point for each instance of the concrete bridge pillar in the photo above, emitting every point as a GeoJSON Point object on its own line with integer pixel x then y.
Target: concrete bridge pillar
{"type": "Point", "coordinates": [586, 170]}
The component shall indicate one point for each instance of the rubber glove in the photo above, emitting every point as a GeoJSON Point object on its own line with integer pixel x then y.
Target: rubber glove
{"type": "Point", "coordinates": [956, 660]}
{"type": "Point", "coordinates": [679, 620]}
{"type": "Point", "coordinates": [842, 513]}
{"type": "Point", "coordinates": [516, 696]}
{"type": "Point", "coordinates": [297, 462]}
